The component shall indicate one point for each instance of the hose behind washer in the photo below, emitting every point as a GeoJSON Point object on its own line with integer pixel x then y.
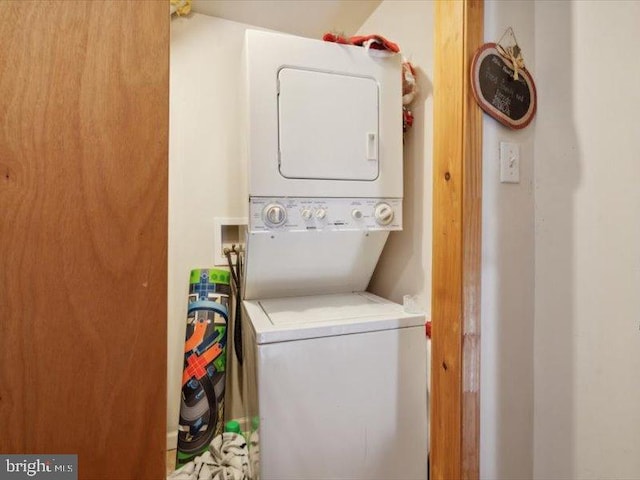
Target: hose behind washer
{"type": "Point", "coordinates": [236, 276]}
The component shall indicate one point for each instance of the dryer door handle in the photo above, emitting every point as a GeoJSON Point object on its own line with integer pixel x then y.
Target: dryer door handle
{"type": "Point", "coordinates": [372, 146]}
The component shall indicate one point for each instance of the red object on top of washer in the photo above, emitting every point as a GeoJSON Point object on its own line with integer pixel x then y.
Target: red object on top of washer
{"type": "Point", "coordinates": [377, 42]}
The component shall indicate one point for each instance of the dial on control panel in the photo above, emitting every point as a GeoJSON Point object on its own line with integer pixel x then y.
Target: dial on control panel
{"type": "Point", "coordinates": [274, 215]}
{"type": "Point", "coordinates": [306, 213]}
{"type": "Point", "coordinates": [383, 214]}
{"type": "Point", "coordinates": [321, 213]}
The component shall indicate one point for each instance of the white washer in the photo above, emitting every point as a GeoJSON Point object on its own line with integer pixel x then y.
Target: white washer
{"type": "Point", "coordinates": [338, 383]}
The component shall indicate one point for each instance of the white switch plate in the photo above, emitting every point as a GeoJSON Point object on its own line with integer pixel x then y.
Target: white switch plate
{"type": "Point", "coordinates": [509, 162]}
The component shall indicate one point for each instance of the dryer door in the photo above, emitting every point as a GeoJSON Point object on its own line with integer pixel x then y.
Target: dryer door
{"type": "Point", "coordinates": [327, 125]}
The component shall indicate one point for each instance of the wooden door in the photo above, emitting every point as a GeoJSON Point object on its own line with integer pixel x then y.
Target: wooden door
{"type": "Point", "coordinates": [83, 232]}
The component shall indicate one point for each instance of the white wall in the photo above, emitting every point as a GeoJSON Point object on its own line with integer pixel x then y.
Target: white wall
{"type": "Point", "coordinates": [506, 403]}
{"type": "Point", "coordinates": [586, 353]}
{"type": "Point", "coordinates": [405, 265]}
{"type": "Point", "coordinates": [207, 174]}
{"type": "Point", "coordinates": [308, 18]}
{"type": "Point", "coordinates": [587, 339]}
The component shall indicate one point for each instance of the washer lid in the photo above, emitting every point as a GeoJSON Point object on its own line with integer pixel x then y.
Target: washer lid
{"type": "Point", "coordinates": [299, 318]}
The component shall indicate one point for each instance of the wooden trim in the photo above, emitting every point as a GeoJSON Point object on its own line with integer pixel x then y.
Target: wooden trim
{"type": "Point", "coordinates": [457, 212]}
{"type": "Point", "coordinates": [472, 250]}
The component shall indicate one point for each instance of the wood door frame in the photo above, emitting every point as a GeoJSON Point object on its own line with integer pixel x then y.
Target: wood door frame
{"type": "Point", "coordinates": [457, 221]}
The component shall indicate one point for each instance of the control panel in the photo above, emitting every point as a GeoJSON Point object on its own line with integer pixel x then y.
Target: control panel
{"type": "Point", "coordinates": [291, 214]}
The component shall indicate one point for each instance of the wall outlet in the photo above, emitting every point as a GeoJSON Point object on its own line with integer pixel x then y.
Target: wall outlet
{"type": "Point", "coordinates": [509, 162]}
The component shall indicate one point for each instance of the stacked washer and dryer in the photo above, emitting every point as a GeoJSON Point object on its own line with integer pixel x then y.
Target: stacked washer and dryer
{"type": "Point", "coordinates": [334, 377]}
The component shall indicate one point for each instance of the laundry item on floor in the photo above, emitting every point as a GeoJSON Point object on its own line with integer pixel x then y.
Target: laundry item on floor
{"type": "Point", "coordinates": [226, 459]}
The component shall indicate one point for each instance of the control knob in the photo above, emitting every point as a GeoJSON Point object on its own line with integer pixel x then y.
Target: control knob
{"type": "Point", "coordinates": [356, 214]}
{"type": "Point", "coordinates": [321, 213]}
{"type": "Point", "coordinates": [383, 214]}
{"type": "Point", "coordinates": [306, 213]}
{"type": "Point", "coordinates": [274, 215]}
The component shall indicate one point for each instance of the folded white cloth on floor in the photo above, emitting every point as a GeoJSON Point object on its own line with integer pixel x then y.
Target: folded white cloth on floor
{"type": "Point", "coordinates": [230, 451]}
{"type": "Point", "coordinates": [226, 459]}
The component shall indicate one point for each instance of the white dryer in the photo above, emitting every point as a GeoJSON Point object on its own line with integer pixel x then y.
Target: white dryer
{"type": "Point", "coordinates": [324, 149]}
{"type": "Point", "coordinates": [335, 380]}
{"type": "Point", "coordinates": [323, 119]}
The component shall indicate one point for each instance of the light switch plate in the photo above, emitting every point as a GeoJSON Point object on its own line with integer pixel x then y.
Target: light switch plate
{"type": "Point", "coordinates": [509, 162]}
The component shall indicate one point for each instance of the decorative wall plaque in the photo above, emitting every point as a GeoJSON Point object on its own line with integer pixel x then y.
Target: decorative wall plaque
{"type": "Point", "coordinates": [506, 93]}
